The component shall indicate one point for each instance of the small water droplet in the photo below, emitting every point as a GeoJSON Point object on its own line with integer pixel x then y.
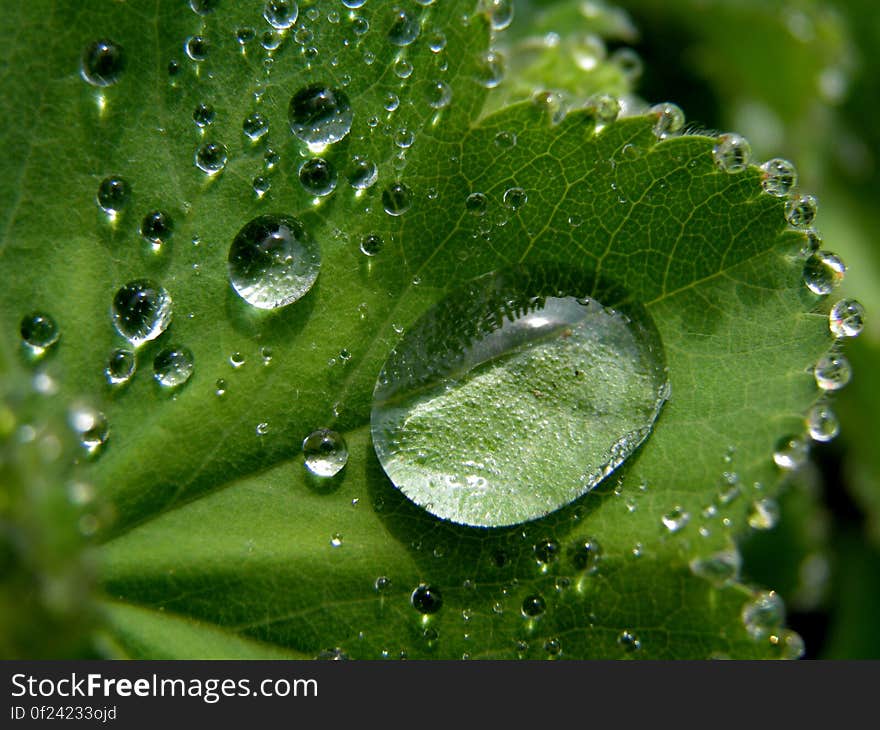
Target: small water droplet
{"type": "Point", "coordinates": [91, 427]}
{"type": "Point", "coordinates": [173, 366]}
{"type": "Point", "coordinates": [363, 173]}
{"type": "Point", "coordinates": [382, 583]}
{"type": "Point", "coordinates": [39, 332]}
{"type": "Point", "coordinates": [426, 599]}
{"type": "Point", "coordinates": [120, 367]}
{"type": "Point", "coordinates": [211, 157]}
{"type": "Point", "coordinates": [396, 199]}
{"type": "Point", "coordinates": [320, 115]}
{"type": "Point", "coordinates": [404, 28]}
{"type": "Point", "coordinates": [779, 177]}
{"type": "Point", "coordinates": [317, 176]}
{"type": "Point", "coordinates": [791, 452]}
{"type": "Point", "coordinates": [281, 14]}
{"type": "Point", "coordinates": [237, 360]}
{"type": "Point", "coordinates": [505, 140]}
{"type": "Point", "coordinates": [500, 13]}
{"type": "Point", "coordinates": [262, 428]}
{"type": "Point", "coordinates": [720, 568]}
{"type": "Point", "coordinates": [763, 615]}
{"type": "Point", "coordinates": [515, 198]}
{"type": "Point", "coordinates": [823, 271]}
{"type": "Point", "coordinates": [245, 35]}
{"type": "Point", "coordinates": [261, 185]}
{"type": "Point", "coordinates": [832, 372]}
{"type": "Point", "coordinates": [113, 195]}
{"type": "Point", "coordinates": [764, 514]}
{"type": "Point", "coordinates": [800, 210]}
{"type": "Point", "coordinates": [157, 227]}
{"type": "Point", "coordinates": [220, 387]}
{"type": "Point", "coordinates": [490, 69]}
{"type": "Point", "coordinates": [273, 261]}
{"type": "Point", "coordinates": [103, 62]}
{"type": "Point", "coordinates": [437, 41]}
{"type": "Point", "coordinates": [553, 647]}
{"type": "Point", "coordinates": [533, 606]}
{"type": "Point", "coordinates": [404, 138]}
{"type": "Point", "coordinates": [629, 62]}
{"type": "Point", "coordinates": [476, 203]}
{"type": "Point", "coordinates": [439, 94]}
{"type": "Point", "coordinates": [822, 423]}
{"type": "Point", "coordinates": [669, 119]}
{"type": "Point", "coordinates": [847, 318]}
{"type": "Point", "coordinates": [141, 311]}
{"type": "Point", "coordinates": [196, 47]}
{"type": "Point", "coordinates": [255, 126]}
{"type": "Point", "coordinates": [676, 519]}
{"type": "Point", "coordinates": [629, 642]}
{"type": "Point", "coordinates": [604, 108]}
{"type": "Point", "coordinates": [203, 115]}
{"type": "Point", "coordinates": [402, 68]}
{"type": "Point", "coordinates": [371, 244]}
{"type": "Point", "coordinates": [732, 153]}
{"type": "Point", "coordinates": [336, 540]}
{"type": "Point", "coordinates": [325, 451]}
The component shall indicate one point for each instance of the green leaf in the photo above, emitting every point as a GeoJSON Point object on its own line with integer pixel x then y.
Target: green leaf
{"type": "Point", "coordinates": [222, 545]}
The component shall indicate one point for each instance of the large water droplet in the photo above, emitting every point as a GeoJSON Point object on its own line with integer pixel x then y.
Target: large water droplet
{"type": "Point", "coordinates": [38, 332]}
{"type": "Point", "coordinates": [281, 14]}
{"type": "Point", "coordinates": [273, 261]}
{"type": "Point", "coordinates": [512, 365]}
{"type": "Point", "coordinates": [763, 514]}
{"type": "Point", "coordinates": [719, 568]}
{"type": "Point", "coordinates": [500, 12]}
{"type": "Point", "coordinates": [325, 452]}
{"type": "Point", "coordinates": [203, 115]}
{"type": "Point", "coordinates": [173, 366]}
{"type": "Point", "coordinates": [320, 115]}
{"type": "Point", "coordinates": [317, 176]}
{"type": "Point", "coordinates": [141, 311]}
{"type": "Point", "coordinates": [103, 62]}
{"type": "Point", "coordinates": [490, 69]}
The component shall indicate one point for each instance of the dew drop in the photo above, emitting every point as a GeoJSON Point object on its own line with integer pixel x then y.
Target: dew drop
{"type": "Point", "coordinates": [476, 203]}
{"type": "Point", "coordinates": [500, 13]}
{"type": "Point", "coordinates": [261, 185]}
{"type": "Point", "coordinates": [382, 584]}
{"type": "Point", "coordinates": [103, 63]}
{"type": "Point", "coordinates": [120, 367]}
{"type": "Point", "coordinates": [732, 153]}
{"type": "Point", "coordinates": [396, 199]}
{"type": "Point", "coordinates": [439, 94]}
{"type": "Point", "coordinates": [273, 261]}
{"type": "Point", "coordinates": [720, 568]}
{"type": "Point", "coordinates": [629, 62]}
{"type": "Point", "coordinates": [320, 115]}
{"type": "Point", "coordinates": [371, 244]}
{"type": "Point", "coordinates": [317, 176]}
{"type": "Point", "coordinates": [823, 271]}
{"type": "Point", "coordinates": [203, 115]}
{"type": "Point", "coordinates": [778, 177]}
{"type": "Point", "coordinates": [404, 28]}
{"type": "Point", "coordinates": [629, 642]}
{"type": "Point", "coordinates": [800, 210]}
{"type": "Point", "coordinates": [426, 599]}
{"type": "Point", "coordinates": [245, 35]}
{"type": "Point", "coordinates": [404, 138]}
{"type": "Point", "coordinates": [822, 423]}
{"type": "Point", "coordinates": [515, 198]}
{"type": "Point", "coordinates": [505, 140]}
{"type": "Point", "coordinates": [764, 514]}
{"type": "Point", "coordinates": [533, 606]}
{"type": "Point", "coordinates": [669, 119]}
{"type": "Point", "coordinates": [220, 387]}
{"type": "Point", "coordinates": [791, 452]}
{"type": "Point", "coordinates": [255, 126]}
{"type": "Point", "coordinates": [281, 14]}
{"type": "Point", "coordinates": [38, 332]}
{"type": "Point", "coordinates": [211, 157]}
{"type": "Point", "coordinates": [363, 173]}
{"type": "Point", "coordinates": [676, 519]}
{"type": "Point", "coordinates": [540, 351]}
{"type": "Point", "coordinates": [490, 69]}
{"type": "Point", "coordinates": [336, 540]}
{"type": "Point", "coordinates": [763, 615]}
{"type": "Point", "coordinates": [437, 41]}
{"type": "Point", "coordinates": [196, 48]}
{"type": "Point", "coordinates": [546, 552]}
{"type": "Point", "coordinates": [832, 372]}
{"type": "Point", "coordinates": [173, 366]}
{"type": "Point", "coordinates": [604, 107]}
{"type": "Point", "coordinates": [585, 556]}
{"type": "Point", "coordinates": [326, 453]}
{"type": "Point", "coordinates": [847, 318]}
{"type": "Point", "coordinates": [141, 311]}
{"type": "Point", "coordinates": [157, 227]}
{"type": "Point", "coordinates": [113, 195]}
{"type": "Point", "coordinates": [90, 426]}
{"type": "Point", "coordinates": [203, 7]}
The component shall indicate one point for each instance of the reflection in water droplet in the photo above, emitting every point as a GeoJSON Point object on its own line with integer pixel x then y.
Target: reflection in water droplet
{"type": "Point", "coordinates": [847, 318]}
{"type": "Point", "coordinates": [273, 261]}
{"type": "Point", "coordinates": [120, 367]}
{"type": "Point", "coordinates": [823, 271]}
{"type": "Point", "coordinates": [281, 14]}
{"type": "Point", "coordinates": [832, 372]}
{"type": "Point", "coordinates": [439, 94]}
{"type": "Point", "coordinates": [763, 615]}
{"type": "Point", "coordinates": [141, 311]}
{"type": "Point", "coordinates": [791, 452]}
{"type": "Point", "coordinates": [779, 177]}
{"type": "Point", "coordinates": [102, 63]}
{"type": "Point", "coordinates": [579, 381]}
{"type": "Point", "coordinates": [800, 210]}
{"type": "Point", "coordinates": [326, 453]}
{"type": "Point", "coordinates": [396, 199]}
{"type": "Point", "coordinates": [317, 176]}
{"type": "Point", "coordinates": [113, 195]}
{"type": "Point", "coordinates": [38, 332]}
{"type": "Point", "coordinates": [173, 366]}
{"type": "Point", "coordinates": [732, 153]}
{"type": "Point", "coordinates": [822, 423]}
{"type": "Point", "coordinates": [669, 119]}
{"type": "Point", "coordinates": [426, 599]}
{"type": "Point", "coordinates": [320, 115]}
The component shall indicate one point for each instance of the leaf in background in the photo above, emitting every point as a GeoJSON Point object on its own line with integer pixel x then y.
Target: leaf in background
{"type": "Point", "coordinates": [222, 539]}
